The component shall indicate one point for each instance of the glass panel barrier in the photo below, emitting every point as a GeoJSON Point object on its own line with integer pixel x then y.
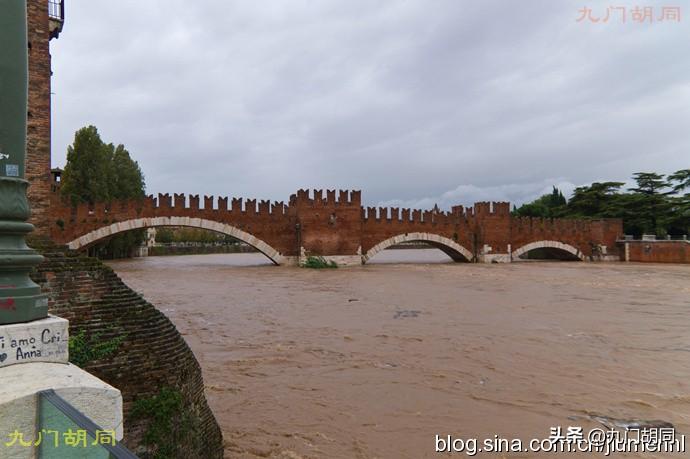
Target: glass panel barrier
{"type": "Point", "coordinates": [66, 433]}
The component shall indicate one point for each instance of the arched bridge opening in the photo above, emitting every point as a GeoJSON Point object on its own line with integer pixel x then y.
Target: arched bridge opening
{"type": "Point", "coordinates": [105, 232]}
{"type": "Point", "coordinates": [455, 251]}
{"type": "Point", "coordinates": [547, 250]}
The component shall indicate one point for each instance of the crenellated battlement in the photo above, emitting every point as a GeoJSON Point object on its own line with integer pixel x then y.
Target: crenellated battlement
{"type": "Point", "coordinates": [493, 208]}
{"type": "Point", "coordinates": [396, 214]}
{"type": "Point", "coordinates": [335, 223]}
{"type": "Point", "coordinates": [313, 198]}
{"type": "Point", "coordinates": [176, 202]}
{"type": "Point", "coordinates": [541, 221]}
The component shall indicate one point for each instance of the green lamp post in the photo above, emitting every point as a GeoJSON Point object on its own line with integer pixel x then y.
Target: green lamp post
{"type": "Point", "coordinates": [20, 298]}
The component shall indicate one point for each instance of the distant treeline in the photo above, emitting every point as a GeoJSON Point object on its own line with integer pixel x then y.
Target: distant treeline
{"type": "Point", "coordinates": [658, 204]}
{"type": "Point", "coordinates": [163, 250]}
{"type": "Point", "coordinates": [179, 234]}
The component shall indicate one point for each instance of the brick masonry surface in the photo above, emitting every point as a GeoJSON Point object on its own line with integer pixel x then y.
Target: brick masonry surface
{"type": "Point", "coordinates": [338, 226]}
{"type": "Point", "coordinates": [656, 251]}
{"type": "Point", "coordinates": [38, 116]}
{"type": "Point", "coordinates": [152, 355]}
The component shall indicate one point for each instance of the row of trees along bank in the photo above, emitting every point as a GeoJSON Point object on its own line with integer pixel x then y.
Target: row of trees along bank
{"type": "Point", "coordinates": [181, 235]}
{"type": "Point", "coordinates": [657, 204]}
{"type": "Point", "coordinates": [100, 172]}
{"type": "Point", "coordinates": [183, 241]}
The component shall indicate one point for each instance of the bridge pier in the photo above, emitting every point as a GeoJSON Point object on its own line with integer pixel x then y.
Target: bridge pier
{"type": "Point", "coordinates": [340, 260]}
{"type": "Point", "coordinates": [494, 258]}
{"type": "Point", "coordinates": [345, 260]}
{"type": "Point", "coordinates": [486, 255]}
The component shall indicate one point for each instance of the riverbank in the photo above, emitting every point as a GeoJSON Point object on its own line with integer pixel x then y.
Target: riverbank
{"type": "Point", "coordinates": [198, 249]}
{"type": "Point", "coordinates": [206, 249]}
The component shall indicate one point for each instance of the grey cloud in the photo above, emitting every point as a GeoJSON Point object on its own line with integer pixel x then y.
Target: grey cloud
{"type": "Point", "coordinates": [467, 195]}
{"type": "Point", "coordinates": [449, 100]}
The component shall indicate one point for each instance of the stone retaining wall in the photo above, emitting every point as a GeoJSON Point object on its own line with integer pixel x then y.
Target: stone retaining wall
{"type": "Point", "coordinates": [656, 251]}
{"type": "Point", "coordinates": [152, 355]}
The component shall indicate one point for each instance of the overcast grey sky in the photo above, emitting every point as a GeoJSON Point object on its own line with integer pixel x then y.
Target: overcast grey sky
{"type": "Point", "coordinates": [415, 102]}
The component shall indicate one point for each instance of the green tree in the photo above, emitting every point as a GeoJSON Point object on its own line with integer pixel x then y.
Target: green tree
{"type": "Point", "coordinates": [87, 173]}
{"type": "Point", "coordinates": [100, 172]}
{"type": "Point", "coordinates": [164, 235]}
{"type": "Point", "coordinates": [546, 206]}
{"type": "Point", "coordinates": [679, 223]}
{"type": "Point", "coordinates": [128, 180]}
{"type": "Point", "coordinates": [654, 205]}
{"type": "Point", "coordinates": [681, 179]}
{"type": "Point", "coordinates": [650, 202]}
{"type": "Point", "coordinates": [600, 199]}
{"type": "Point", "coordinates": [650, 183]}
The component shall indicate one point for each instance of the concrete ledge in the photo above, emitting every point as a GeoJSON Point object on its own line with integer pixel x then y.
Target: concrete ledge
{"type": "Point", "coordinates": [340, 260]}
{"type": "Point", "coordinates": [495, 258]}
{"type": "Point", "coordinates": [45, 340]}
{"type": "Point", "coordinates": [96, 399]}
{"type": "Point", "coordinates": [290, 261]}
{"type": "Point", "coordinates": [345, 260]}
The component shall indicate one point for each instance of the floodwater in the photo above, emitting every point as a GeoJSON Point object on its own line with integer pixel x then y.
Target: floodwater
{"type": "Point", "coordinates": [374, 361]}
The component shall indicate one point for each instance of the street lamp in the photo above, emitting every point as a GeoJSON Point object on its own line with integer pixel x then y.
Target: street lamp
{"type": "Point", "coordinates": [20, 298]}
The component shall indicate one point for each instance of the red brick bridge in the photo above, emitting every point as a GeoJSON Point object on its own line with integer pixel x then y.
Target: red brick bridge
{"type": "Point", "coordinates": [339, 228]}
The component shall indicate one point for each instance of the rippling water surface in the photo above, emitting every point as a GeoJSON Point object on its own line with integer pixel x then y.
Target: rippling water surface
{"type": "Point", "coordinates": [373, 361]}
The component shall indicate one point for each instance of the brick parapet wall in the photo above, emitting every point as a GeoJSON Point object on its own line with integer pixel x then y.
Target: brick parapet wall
{"type": "Point", "coordinates": [153, 354]}
{"type": "Point", "coordinates": [38, 116]}
{"type": "Point", "coordinates": [339, 225]}
{"type": "Point", "coordinates": [586, 235]}
{"type": "Point", "coordinates": [329, 225]}
{"type": "Point", "coordinates": [655, 251]}
{"type": "Point", "coordinates": [491, 223]}
{"type": "Point", "coordinates": [379, 224]}
{"type": "Point", "coordinates": [266, 221]}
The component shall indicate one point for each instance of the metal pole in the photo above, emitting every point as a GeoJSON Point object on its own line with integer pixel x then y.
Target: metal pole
{"type": "Point", "coordinates": [20, 298]}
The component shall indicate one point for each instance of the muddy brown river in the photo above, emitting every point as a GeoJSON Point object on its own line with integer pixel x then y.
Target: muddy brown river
{"type": "Point", "coordinates": [374, 361]}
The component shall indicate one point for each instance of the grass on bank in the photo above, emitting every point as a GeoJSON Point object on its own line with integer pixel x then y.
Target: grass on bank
{"type": "Point", "coordinates": [169, 425]}
{"type": "Point", "coordinates": [83, 349]}
{"type": "Point", "coordinates": [319, 263]}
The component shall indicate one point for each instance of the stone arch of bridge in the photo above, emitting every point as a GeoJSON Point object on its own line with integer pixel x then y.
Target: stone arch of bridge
{"type": "Point", "coordinates": [451, 248]}
{"type": "Point", "coordinates": [574, 251]}
{"type": "Point", "coordinates": [152, 222]}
